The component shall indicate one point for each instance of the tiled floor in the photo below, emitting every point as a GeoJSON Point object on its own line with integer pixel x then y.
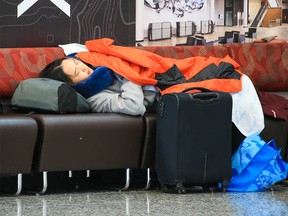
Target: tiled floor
{"type": "Point", "coordinates": [63, 198]}
{"type": "Point", "coordinates": [139, 202]}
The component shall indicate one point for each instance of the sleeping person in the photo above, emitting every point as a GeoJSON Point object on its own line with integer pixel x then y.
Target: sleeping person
{"type": "Point", "coordinates": [104, 90]}
{"type": "Point", "coordinates": [124, 80]}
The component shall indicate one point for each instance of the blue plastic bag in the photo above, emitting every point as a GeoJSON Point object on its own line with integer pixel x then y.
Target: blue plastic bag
{"type": "Point", "coordinates": [256, 165]}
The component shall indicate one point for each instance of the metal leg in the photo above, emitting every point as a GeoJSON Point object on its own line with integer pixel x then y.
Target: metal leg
{"type": "Point", "coordinates": [19, 184]}
{"type": "Point", "coordinates": [19, 207]}
{"type": "Point", "coordinates": [127, 205]}
{"type": "Point", "coordinates": [45, 183]}
{"type": "Point", "coordinates": [87, 173]}
{"type": "Point", "coordinates": [44, 207]}
{"type": "Point", "coordinates": [127, 180]}
{"type": "Point", "coordinates": [148, 180]}
{"type": "Point", "coordinates": [148, 203]}
{"type": "Point", "coordinates": [70, 174]}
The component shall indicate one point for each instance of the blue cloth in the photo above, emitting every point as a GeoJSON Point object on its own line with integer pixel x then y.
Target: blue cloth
{"type": "Point", "coordinates": [100, 79]}
{"type": "Point", "coordinates": [256, 166]}
{"type": "Point", "coordinates": [72, 54]}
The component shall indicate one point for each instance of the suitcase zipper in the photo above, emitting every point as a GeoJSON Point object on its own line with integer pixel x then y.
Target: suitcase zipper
{"type": "Point", "coordinates": [161, 109]}
{"type": "Point", "coordinates": [205, 168]}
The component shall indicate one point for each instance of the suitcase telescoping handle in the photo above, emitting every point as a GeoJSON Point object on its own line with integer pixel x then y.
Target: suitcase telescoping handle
{"type": "Point", "coordinates": [205, 94]}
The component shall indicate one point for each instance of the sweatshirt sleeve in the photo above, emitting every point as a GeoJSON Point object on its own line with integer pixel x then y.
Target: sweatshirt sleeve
{"type": "Point", "coordinates": [129, 101]}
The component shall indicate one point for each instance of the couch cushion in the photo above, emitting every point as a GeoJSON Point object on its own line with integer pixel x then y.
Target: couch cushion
{"type": "Point", "coordinates": [261, 40]}
{"type": "Point", "coordinates": [18, 136]}
{"type": "Point", "coordinates": [278, 41]}
{"type": "Point", "coordinates": [88, 141]}
{"type": "Point", "coordinates": [17, 64]}
{"type": "Point", "coordinates": [149, 143]}
{"type": "Point", "coordinates": [180, 52]}
{"type": "Point", "coordinates": [265, 63]}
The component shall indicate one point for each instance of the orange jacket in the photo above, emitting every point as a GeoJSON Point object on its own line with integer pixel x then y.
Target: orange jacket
{"type": "Point", "coordinates": [144, 68]}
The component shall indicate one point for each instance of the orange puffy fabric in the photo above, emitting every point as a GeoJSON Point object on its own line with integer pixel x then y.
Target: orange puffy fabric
{"type": "Point", "coordinates": [141, 67]}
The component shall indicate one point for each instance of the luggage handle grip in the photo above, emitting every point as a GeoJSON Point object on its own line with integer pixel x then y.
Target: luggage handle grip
{"type": "Point", "coordinates": [209, 95]}
{"type": "Point", "coordinates": [206, 96]}
{"type": "Point", "coordinates": [196, 88]}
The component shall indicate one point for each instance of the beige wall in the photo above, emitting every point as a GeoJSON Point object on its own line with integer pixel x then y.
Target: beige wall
{"type": "Point", "coordinates": [272, 17]}
{"type": "Point", "coordinates": [254, 6]}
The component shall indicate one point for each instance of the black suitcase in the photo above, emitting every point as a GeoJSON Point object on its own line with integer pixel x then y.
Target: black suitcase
{"type": "Point", "coordinates": [193, 140]}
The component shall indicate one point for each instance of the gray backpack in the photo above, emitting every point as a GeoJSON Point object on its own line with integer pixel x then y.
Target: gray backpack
{"type": "Point", "coordinates": [43, 95]}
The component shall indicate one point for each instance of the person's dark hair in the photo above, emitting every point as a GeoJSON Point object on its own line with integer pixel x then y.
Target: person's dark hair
{"type": "Point", "coordinates": [55, 71]}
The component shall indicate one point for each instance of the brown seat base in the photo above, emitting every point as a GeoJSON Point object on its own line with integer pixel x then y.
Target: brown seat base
{"type": "Point", "coordinates": [88, 141]}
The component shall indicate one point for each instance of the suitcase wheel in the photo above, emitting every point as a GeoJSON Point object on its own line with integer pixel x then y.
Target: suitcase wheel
{"type": "Point", "coordinates": [164, 188]}
{"type": "Point", "coordinates": [177, 188]}
{"type": "Point", "coordinates": [180, 189]}
{"type": "Point", "coordinates": [223, 185]}
{"type": "Point", "coordinates": [206, 188]}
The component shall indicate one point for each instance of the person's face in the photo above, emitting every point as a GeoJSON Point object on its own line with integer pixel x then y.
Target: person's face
{"type": "Point", "coordinates": [76, 70]}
